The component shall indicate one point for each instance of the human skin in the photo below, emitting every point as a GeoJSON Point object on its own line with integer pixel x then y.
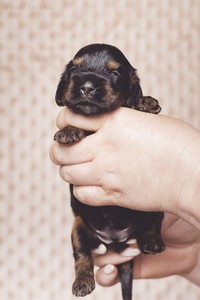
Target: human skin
{"type": "Point", "coordinates": [153, 157]}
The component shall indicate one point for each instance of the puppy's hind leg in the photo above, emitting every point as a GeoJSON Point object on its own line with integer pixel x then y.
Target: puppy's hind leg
{"type": "Point", "coordinates": [125, 271]}
{"type": "Point", "coordinates": [149, 238]}
{"type": "Point", "coordinates": [84, 282]}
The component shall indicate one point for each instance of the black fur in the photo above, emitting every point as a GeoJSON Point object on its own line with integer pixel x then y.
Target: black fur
{"type": "Point", "coordinates": [98, 80]}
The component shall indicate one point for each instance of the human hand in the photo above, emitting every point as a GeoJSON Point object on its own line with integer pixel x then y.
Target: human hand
{"type": "Point", "coordinates": [154, 158]}
{"type": "Point", "coordinates": [181, 256]}
{"type": "Point", "coordinates": [136, 160]}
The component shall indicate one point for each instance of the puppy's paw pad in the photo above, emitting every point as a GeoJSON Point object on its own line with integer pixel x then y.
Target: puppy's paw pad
{"type": "Point", "coordinates": [152, 245]}
{"type": "Point", "coordinates": [69, 135]}
{"type": "Point", "coordinates": [83, 286]}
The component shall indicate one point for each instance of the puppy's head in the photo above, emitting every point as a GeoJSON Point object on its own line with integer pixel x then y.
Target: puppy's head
{"type": "Point", "coordinates": [99, 79]}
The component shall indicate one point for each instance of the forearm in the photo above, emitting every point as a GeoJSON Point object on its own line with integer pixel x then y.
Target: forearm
{"type": "Point", "coordinates": [189, 198]}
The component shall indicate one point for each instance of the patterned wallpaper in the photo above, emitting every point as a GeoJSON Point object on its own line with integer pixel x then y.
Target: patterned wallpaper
{"type": "Point", "coordinates": [37, 38]}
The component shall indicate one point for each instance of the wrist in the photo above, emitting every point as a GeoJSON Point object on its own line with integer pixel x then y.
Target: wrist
{"type": "Point", "coordinates": [189, 207]}
{"type": "Point", "coordinates": [185, 201]}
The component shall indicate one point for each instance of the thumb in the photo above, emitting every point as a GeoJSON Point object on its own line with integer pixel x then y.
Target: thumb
{"type": "Point", "coordinates": [93, 195]}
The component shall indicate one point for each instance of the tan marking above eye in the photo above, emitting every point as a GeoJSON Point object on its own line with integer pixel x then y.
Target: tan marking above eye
{"type": "Point", "coordinates": [113, 65]}
{"type": "Point", "coordinates": [78, 61]}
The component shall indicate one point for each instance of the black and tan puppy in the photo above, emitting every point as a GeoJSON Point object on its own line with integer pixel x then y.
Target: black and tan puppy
{"type": "Point", "coordinates": [98, 80]}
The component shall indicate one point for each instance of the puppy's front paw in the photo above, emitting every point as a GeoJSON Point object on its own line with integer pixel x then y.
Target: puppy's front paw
{"type": "Point", "coordinates": [147, 104]}
{"type": "Point", "coordinates": [69, 135]}
{"type": "Point", "coordinates": [151, 244]}
{"type": "Point", "coordinates": [83, 285]}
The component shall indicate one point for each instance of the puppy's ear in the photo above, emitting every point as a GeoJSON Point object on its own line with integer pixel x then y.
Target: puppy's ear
{"type": "Point", "coordinates": [60, 90]}
{"type": "Point", "coordinates": [135, 90]}
{"type": "Point", "coordinates": [63, 83]}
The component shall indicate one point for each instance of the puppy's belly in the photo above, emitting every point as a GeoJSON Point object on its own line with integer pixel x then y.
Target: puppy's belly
{"type": "Point", "coordinates": [109, 236]}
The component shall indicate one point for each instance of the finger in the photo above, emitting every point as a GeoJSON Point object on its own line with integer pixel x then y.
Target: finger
{"type": "Point", "coordinates": [93, 195]}
{"type": "Point", "coordinates": [165, 264]}
{"type": "Point", "coordinates": [53, 153]}
{"type": "Point", "coordinates": [162, 265]}
{"type": "Point", "coordinates": [75, 154]}
{"type": "Point", "coordinates": [91, 123]}
{"type": "Point", "coordinates": [101, 249]}
{"type": "Point", "coordinates": [158, 266]}
{"type": "Point", "coordinates": [80, 174]}
{"type": "Point", "coordinates": [116, 258]}
{"type": "Point", "coordinates": [107, 276]}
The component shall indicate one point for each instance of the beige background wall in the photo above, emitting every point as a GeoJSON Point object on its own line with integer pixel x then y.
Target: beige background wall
{"type": "Point", "coordinates": [161, 39]}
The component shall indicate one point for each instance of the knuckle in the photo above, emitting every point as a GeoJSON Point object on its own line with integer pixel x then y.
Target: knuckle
{"type": "Point", "coordinates": [60, 120]}
{"type": "Point", "coordinates": [58, 153]}
{"type": "Point", "coordinates": [63, 170]}
{"type": "Point", "coordinates": [78, 192]}
{"type": "Point", "coordinates": [54, 153]}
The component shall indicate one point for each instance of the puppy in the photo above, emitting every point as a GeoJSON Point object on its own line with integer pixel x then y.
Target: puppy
{"type": "Point", "coordinates": [99, 79]}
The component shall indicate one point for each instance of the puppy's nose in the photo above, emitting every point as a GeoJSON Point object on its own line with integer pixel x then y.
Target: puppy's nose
{"type": "Point", "coordinates": [87, 88]}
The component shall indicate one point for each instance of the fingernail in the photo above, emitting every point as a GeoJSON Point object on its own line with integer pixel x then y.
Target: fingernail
{"type": "Point", "coordinates": [100, 250]}
{"type": "Point", "coordinates": [108, 269]}
{"type": "Point", "coordinates": [132, 252]}
{"type": "Point", "coordinates": [131, 241]}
